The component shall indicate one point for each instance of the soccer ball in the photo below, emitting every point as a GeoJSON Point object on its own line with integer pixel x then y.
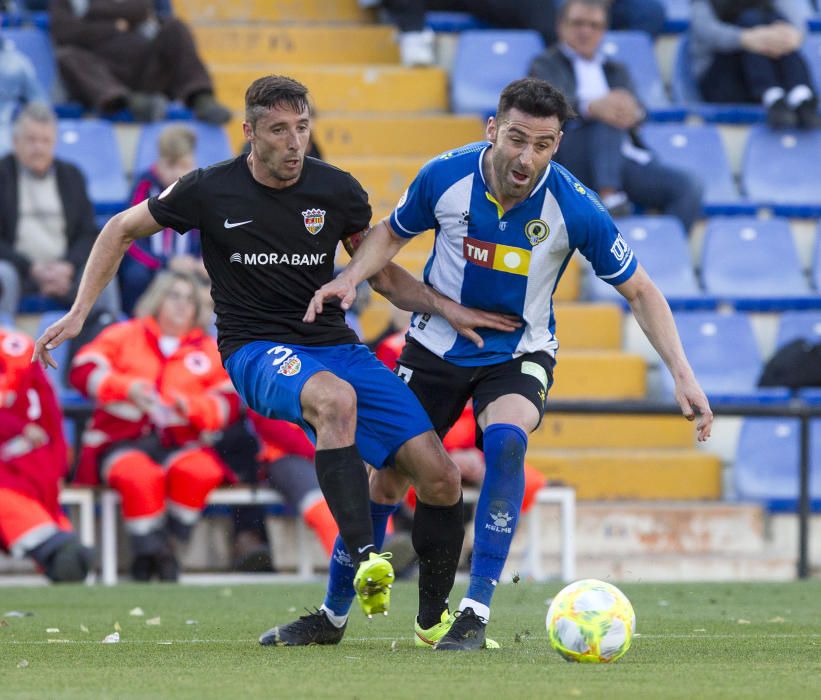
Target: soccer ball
{"type": "Point", "coordinates": [591, 621]}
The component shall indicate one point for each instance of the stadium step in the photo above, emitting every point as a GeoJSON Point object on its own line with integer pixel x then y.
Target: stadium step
{"type": "Point", "coordinates": [262, 46]}
{"type": "Point", "coordinates": [384, 179]}
{"type": "Point", "coordinates": [682, 474]}
{"type": "Point", "coordinates": [423, 135]}
{"type": "Point", "coordinates": [589, 326]}
{"type": "Point", "coordinates": [350, 89]}
{"type": "Point", "coordinates": [314, 11]}
{"type": "Point", "coordinates": [599, 374]}
{"type": "Point", "coordinates": [562, 431]}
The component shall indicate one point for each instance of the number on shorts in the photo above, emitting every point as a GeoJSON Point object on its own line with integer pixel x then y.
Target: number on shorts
{"type": "Point", "coordinates": [282, 354]}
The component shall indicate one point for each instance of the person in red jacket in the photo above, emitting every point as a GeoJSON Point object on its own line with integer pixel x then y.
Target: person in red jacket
{"type": "Point", "coordinates": [33, 461]}
{"type": "Point", "coordinates": [162, 399]}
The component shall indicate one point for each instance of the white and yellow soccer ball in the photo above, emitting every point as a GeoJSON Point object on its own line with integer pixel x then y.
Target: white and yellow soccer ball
{"type": "Point", "coordinates": [591, 621]}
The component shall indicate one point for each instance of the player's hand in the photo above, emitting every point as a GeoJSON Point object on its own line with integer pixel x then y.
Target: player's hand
{"type": "Point", "coordinates": [66, 328]}
{"type": "Point", "coordinates": [692, 400]}
{"type": "Point", "coordinates": [339, 288]}
{"type": "Point", "coordinates": [464, 320]}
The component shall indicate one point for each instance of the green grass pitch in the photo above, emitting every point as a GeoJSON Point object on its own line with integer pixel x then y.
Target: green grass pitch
{"type": "Point", "coordinates": [696, 641]}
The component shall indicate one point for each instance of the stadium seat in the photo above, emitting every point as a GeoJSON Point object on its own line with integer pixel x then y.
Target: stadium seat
{"type": "Point", "coordinates": [212, 144]}
{"type": "Point", "coordinates": [753, 263]}
{"type": "Point", "coordinates": [36, 45]}
{"type": "Point", "coordinates": [685, 92]}
{"type": "Point", "coordinates": [660, 244]}
{"type": "Point", "coordinates": [699, 150]}
{"type": "Point", "coordinates": [722, 350]}
{"type": "Point", "coordinates": [798, 325]}
{"type": "Point", "coordinates": [486, 61]}
{"type": "Point", "coordinates": [812, 52]}
{"type": "Point", "coordinates": [452, 22]}
{"type": "Point", "coordinates": [6, 320]}
{"type": "Point", "coordinates": [635, 50]}
{"type": "Point", "coordinates": [677, 15]}
{"type": "Point", "coordinates": [767, 462]}
{"type": "Point", "coordinates": [92, 146]}
{"type": "Point", "coordinates": [816, 260]}
{"type": "Point", "coordinates": [782, 170]}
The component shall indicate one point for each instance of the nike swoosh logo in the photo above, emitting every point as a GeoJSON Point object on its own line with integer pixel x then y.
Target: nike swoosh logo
{"type": "Point", "coordinates": [228, 224]}
{"type": "Point", "coordinates": [362, 549]}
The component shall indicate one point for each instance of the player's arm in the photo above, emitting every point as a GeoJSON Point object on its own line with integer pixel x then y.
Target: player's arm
{"type": "Point", "coordinates": [656, 320]}
{"type": "Point", "coordinates": [105, 257]}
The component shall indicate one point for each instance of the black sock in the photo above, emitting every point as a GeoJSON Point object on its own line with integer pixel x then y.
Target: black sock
{"type": "Point", "coordinates": [344, 482]}
{"type": "Point", "coordinates": [438, 533]}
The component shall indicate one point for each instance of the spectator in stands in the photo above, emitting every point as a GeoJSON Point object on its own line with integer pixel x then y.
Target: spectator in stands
{"type": "Point", "coordinates": [33, 461]}
{"type": "Point", "coordinates": [749, 51]}
{"type": "Point", "coordinates": [641, 15]}
{"type": "Point", "coordinates": [115, 54]}
{"type": "Point", "coordinates": [18, 86]}
{"type": "Point", "coordinates": [162, 398]}
{"type": "Point", "coordinates": [47, 222]}
{"type": "Point", "coordinates": [166, 249]}
{"type": "Point", "coordinates": [602, 146]}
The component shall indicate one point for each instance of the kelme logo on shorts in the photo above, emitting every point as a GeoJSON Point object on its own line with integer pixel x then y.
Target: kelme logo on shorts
{"type": "Point", "coordinates": [290, 367]}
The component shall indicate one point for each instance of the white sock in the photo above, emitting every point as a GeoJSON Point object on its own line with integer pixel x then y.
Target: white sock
{"type": "Point", "coordinates": [336, 620]}
{"type": "Point", "coordinates": [480, 609]}
{"type": "Point", "coordinates": [799, 94]}
{"type": "Point", "coordinates": [771, 95]}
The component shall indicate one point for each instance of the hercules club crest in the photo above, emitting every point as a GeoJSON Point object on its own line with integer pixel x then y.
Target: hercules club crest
{"type": "Point", "coordinates": [314, 220]}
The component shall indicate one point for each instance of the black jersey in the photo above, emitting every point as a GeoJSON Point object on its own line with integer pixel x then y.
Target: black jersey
{"type": "Point", "coordinates": [268, 250]}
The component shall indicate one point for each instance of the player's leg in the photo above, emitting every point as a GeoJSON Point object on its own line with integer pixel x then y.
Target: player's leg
{"type": "Point", "coordinates": [505, 419]}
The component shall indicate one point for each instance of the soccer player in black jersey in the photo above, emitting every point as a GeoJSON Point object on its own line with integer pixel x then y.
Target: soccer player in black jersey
{"type": "Point", "coordinates": [270, 225]}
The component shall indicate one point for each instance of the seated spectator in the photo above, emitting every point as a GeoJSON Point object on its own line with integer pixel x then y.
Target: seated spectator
{"type": "Point", "coordinates": [47, 222]}
{"type": "Point", "coordinates": [165, 249]}
{"type": "Point", "coordinates": [115, 54]}
{"type": "Point", "coordinates": [749, 51]}
{"type": "Point", "coordinates": [640, 15]}
{"type": "Point", "coordinates": [162, 398]}
{"type": "Point", "coordinates": [33, 461]}
{"type": "Point", "coordinates": [18, 86]}
{"type": "Point", "coordinates": [602, 146]}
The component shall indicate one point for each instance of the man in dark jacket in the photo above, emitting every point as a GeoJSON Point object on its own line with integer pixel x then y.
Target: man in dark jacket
{"type": "Point", "coordinates": [47, 222]}
{"type": "Point", "coordinates": [602, 147]}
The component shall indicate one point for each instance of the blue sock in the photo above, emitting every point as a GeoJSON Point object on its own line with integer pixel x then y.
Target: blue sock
{"type": "Point", "coordinates": [340, 594]}
{"type": "Point", "coordinates": [497, 511]}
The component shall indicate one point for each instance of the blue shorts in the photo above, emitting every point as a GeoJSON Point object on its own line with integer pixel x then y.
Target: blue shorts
{"type": "Point", "coordinates": [269, 377]}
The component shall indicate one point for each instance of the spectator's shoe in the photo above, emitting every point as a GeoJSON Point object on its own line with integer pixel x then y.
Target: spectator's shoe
{"type": "Point", "coordinates": [208, 110]}
{"type": "Point", "coordinates": [251, 553]}
{"type": "Point", "coordinates": [427, 638]}
{"type": "Point", "coordinates": [372, 584]}
{"type": "Point", "coordinates": [617, 204]}
{"type": "Point", "coordinates": [780, 116]}
{"type": "Point", "coordinates": [467, 633]}
{"type": "Point", "coordinates": [142, 568]}
{"type": "Point", "coordinates": [166, 565]}
{"type": "Point", "coordinates": [416, 48]}
{"type": "Point", "coordinates": [147, 106]}
{"type": "Point", "coordinates": [807, 114]}
{"type": "Point", "coordinates": [313, 628]}
{"type": "Point", "coordinates": [70, 562]}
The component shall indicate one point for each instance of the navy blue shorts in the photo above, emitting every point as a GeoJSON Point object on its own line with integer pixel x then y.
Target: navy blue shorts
{"type": "Point", "coordinates": [269, 377]}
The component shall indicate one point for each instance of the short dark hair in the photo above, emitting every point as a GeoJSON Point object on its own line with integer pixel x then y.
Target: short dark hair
{"type": "Point", "coordinates": [274, 91]}
{"type": "Point", "coordinates": [603, 5]}
{"type": "Point", "coordinates": [535, 97]}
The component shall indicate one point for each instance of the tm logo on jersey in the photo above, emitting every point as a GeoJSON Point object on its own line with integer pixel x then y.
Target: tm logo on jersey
{"type": "Point", "coordinates": [314, 220]}
{"type": "Point", "coordinates": [495, 256]}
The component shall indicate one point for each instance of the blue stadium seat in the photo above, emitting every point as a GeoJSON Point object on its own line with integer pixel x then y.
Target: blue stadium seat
{"type": "Point", "coordinates": [36, 45]}
{"type": "Point", "coordinates": [635, 50]}
{"type": "Point", "coordinates": [722, 350]}
{"type": "Point", "coordinates": [452, 22]}
{"type": "Point", "coordinates": [782, 169]}
{"type": "Point", "coordinates": [816, 260]}
{"type": "Point", "coordinates": [753, 263]}
{"type": "Point", "coordinates": [685, 92]}
{"type": "Point", "coordinates": [767, 462]}
{"type": "Point", "coordinates": [677, 15]}
{"type": "Point", "coordinates": [699, 150]}
{"type": "Point", "coordinates": [92, 146]}
{"type": "Point", "coordinates": [812, 52]}
{"type": "Point", "coordinates": [212, 144]}
{"type": "Point", "coordinates": [6, 320]}
{"type": "Point", "coordinates": [798, 325]}
{"type": "Point", "coordinates": [65, 393]}
{"type": "Point", "coordinates": [486, 61]}
{"type": "Point", "coordinates": [660, 244]}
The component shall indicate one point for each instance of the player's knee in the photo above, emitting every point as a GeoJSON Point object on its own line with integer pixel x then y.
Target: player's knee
{"type": "Point", "coordinates": [335, 406]}
{"type": "Point", "coordinates": [441, 485]}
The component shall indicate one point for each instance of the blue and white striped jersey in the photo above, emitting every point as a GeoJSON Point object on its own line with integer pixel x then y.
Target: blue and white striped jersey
{"type": "Point", "coordinates": [501, 261]}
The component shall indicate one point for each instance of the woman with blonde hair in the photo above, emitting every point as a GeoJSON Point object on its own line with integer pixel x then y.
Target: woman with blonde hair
{"type": "Point", "coordinates": [162, 399]}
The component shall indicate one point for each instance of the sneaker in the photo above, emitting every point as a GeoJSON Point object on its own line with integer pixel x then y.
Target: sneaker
{"type": "Point", "coordinates": [807, 114]}
{"type": "Point", "coordinates": [467, 633]}
{"type": "Point", "coordinates": [208, 110]}
{"type": "Point", "coordinates": [142, 568]}
{"type": "Point", "coordinates": [147, 106]}
{"type": "Point", "coordinates": [427, 638]}
{"type": "Point", "coordinates": [373, 582]}
{"type": "Point", "coordinates": [313, 628]}
{"type": "Point", "coordinates": [780, 116]}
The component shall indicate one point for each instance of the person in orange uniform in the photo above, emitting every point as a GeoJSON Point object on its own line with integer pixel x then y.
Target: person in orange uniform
{"type": "Point", "coordinates": [162, 399]}
{"type": "Point", "coordinates": [33, 460]}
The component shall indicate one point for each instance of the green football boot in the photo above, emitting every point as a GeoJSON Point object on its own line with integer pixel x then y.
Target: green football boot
{"type": "Point", "coordinates": [373, 582]}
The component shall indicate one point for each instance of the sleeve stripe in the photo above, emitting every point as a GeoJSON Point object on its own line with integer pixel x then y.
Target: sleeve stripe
{"type": "Point", "coordinates": [399, 224]}
{"type": "Point", "coordinates": [621, 270]}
